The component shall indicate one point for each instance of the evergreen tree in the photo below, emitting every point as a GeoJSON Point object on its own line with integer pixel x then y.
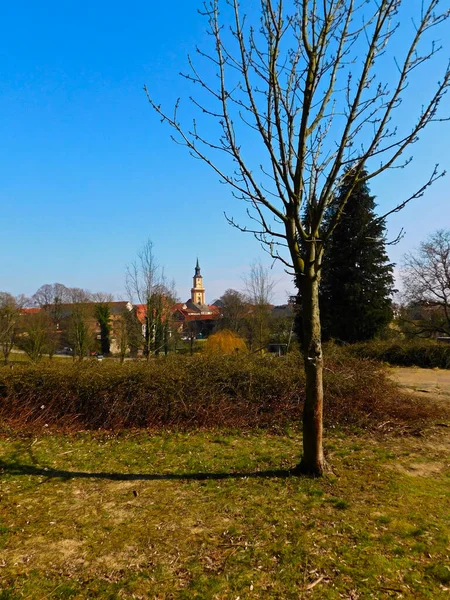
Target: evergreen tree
{"type": "Point", "coordinates": [102, 313]}
{"type": "Point", "coordinates": [357, 278]}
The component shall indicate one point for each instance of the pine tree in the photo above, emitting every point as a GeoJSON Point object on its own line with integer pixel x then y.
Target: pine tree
{"type": "Point", "coordinates": [102, 313]}
{"type": "Point", "coordinates": [357, 278]}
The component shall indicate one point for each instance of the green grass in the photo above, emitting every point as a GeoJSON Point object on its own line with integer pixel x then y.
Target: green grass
{"type": "Point", "coordinates": [216, 515]}
{"type": "Point", "coordinates": [22, 357]}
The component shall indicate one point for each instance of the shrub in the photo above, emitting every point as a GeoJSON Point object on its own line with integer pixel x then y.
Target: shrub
{"type": "Point", "coordinates": [406, 353]}
{"type": "Point", "coordinates": [195, 392]}
{"type": "Point", "coordinates": [225, 342]}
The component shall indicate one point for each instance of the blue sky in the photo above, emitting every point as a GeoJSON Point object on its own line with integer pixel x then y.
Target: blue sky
{"type": "Point", "coordinates": [88, 173]}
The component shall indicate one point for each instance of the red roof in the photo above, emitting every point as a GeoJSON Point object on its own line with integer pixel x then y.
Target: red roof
{"type": "Point", "coordinates": [141, 311]}
{"type": "Point", "coordinates": [200, 317]}
{"type": "Point", "coordinates": [30, 311]}
{"type": "Point", "coordinates": [190, 314]}
{"type": "Point", "coordinates": [187, 313]}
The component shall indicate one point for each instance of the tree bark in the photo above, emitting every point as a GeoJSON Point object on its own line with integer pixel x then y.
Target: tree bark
{"type": "Point", "coordinates": [313, 462]}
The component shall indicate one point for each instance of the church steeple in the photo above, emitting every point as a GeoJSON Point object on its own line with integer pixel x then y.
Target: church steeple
{"type": "Point", "coordinates": [198, 291]}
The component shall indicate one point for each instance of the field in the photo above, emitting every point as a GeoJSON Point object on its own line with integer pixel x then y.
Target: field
{"type": "Point", "coordinates": [216, 513]}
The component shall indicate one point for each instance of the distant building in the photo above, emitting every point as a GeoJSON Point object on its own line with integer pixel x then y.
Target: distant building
{"type": "Point", "coordinates": [197, 290]}
{"type": "Point", "coordinates": [61, 314]}
{"type": "Point", "coordinates": [195, 317]}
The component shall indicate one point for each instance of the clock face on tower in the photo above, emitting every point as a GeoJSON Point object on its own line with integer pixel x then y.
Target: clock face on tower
{"type": "Point", "coordinates": [198, 291]}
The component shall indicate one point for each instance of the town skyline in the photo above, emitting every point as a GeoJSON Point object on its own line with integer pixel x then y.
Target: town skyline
{"type": "Point", "coordinates": [180, 295]}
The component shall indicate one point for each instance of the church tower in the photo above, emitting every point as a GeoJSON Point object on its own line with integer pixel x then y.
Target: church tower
{"type": "Point", "coordinates": [198, 291]}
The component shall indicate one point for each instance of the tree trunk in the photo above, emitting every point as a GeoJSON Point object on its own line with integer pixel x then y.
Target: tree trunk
{"type": "Point", "coordinates": [6, 349]}
{"type": "Point", "coordinates": [312, 462]}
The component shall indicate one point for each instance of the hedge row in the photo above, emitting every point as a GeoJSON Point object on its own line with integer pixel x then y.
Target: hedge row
{"type": "Point", "coordinates": [192, 392]}
{"type": "Point", "coordinates": [418, 353]}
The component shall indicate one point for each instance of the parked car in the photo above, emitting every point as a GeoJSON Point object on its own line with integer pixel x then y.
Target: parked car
{"type": "Point", "coordinates": [66, 351]}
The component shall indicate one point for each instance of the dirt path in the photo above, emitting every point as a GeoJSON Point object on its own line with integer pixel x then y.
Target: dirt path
{"type": "Point", "coordinates": [433, 386]}
{"type": "Point", "coordinates": [425, 383]}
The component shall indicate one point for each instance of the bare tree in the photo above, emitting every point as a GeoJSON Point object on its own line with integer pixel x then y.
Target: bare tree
{"type": "Point", "coordinates": [51, 297]}
{"type": "Point", "coordinates": [141, 282]}
{"type": "Point", "coordinates": [146, 283]}
{"type": "Point", "coordinates": [9, 322]}
{"type": "Point", "coordinates": [37, 335]}
{"type": "Point", "coordinates": [142, 275]}
{"type": "Point", "coordinates": [79, 322]}
{"type": "Point", "coordinates": [79, 296]}
{"type": "Point", "coordinates": [122, 334]}
{"type": "Point", "coordinates": [426, 281]}
{"type": "Point", "coordinates": [49, 293]}
{"type": "Point", "coordinates": [295, 103]}
{"type": "Point", "coordinates": [80, 335]}
{"type": "Point", "coordinates": [259, 286]}
{"type": "Point", "coordinates": [162, 303]}
{"type": "Point", "coordinates": [128, 333]}
{"type": "Point", "coordinates": [234, 311]}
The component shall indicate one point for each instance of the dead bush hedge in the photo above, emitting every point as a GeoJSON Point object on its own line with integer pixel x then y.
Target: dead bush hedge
{"type": "Point", "coordinates": [194, 392]}
{"type": "Point", "coordinates": [427, 354]}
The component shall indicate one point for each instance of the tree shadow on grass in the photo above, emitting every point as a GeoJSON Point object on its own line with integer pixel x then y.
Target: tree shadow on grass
{"type": "Point", "coordinates": [16, 468]}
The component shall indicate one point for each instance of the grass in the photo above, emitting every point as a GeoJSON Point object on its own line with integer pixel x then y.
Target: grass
{"type": "Point", "coordinates": [216, 515]}
{"type": "Point", "coordinates": [21, 358]}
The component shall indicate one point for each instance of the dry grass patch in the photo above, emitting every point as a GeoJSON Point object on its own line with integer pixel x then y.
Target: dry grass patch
{"type": "Point", "coordinates": [216, 515]}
